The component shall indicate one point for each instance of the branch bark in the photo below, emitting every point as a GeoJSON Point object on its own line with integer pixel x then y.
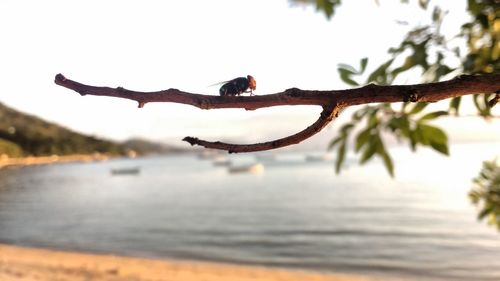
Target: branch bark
{"type": "Point", "coordinates": [332, 101]}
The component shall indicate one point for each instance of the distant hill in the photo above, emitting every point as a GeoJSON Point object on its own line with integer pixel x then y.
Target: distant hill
{"type": "Point", "coordinates": [23, 134]}
{"type": "Point", "coordinates": [148, 147]}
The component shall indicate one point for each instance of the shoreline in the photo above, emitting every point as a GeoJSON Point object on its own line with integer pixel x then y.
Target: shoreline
{"type": "Point", "coordinates": [25, 263]}
{"type": "Point", "coordinates": [6, 162]}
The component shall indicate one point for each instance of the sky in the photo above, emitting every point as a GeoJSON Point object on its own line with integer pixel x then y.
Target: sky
{"type": "Point", "coordinates": [189, 45]}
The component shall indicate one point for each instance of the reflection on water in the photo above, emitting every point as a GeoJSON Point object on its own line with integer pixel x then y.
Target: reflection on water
{"type": "Point", "coordinates": [295, 214]}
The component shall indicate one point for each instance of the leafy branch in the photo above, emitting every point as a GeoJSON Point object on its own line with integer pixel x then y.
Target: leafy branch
{"type": "Point", "coordinates": [427, 51]}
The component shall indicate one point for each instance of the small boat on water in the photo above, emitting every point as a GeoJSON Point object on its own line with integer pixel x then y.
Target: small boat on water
{"type": "Point", "coordinates": [125, 171]}
{"type": "Point", "coordinates": [318, 158]}
{"type": "Point", "coordinates": [221, 161]}
{"type": "Point", "coordinates": [256, 168]}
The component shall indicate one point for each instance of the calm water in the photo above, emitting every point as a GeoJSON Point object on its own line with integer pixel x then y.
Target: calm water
{"type": "Point", "coordinates": [419, 226]}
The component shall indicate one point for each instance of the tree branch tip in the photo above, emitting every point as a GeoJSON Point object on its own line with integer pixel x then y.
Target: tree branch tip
{"type": "Point", "coordinates": [494, 100]}
{"type": "Point", "coordinates": [191, 140]}
{"type": "Point", "coordinates": [59, 78]}
{"type": "Point", "coordinates": [141, 104]}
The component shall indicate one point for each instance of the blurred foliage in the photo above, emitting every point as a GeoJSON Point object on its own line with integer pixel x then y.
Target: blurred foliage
{"type": "Point", "coordinates": [427, 53]}
{"type": "Point", "coordinates": [326, 6]}
{"type": "Point", "coordinates": [486, 192]}
{"type": "Point", "coordinates": [10, 149]}
{"type": "Point", "coordinates": [23, 135]}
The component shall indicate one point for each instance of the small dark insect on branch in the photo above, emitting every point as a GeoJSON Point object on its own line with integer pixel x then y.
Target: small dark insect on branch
{"type": "Point", "coordinates": [332, 101]}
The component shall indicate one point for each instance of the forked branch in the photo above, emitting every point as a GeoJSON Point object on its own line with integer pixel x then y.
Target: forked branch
{"type": "Point", "coordinates": [331, 101]}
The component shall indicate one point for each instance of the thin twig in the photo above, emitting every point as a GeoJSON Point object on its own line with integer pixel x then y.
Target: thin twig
{"type": "Point", "coordinates": [325, 117]}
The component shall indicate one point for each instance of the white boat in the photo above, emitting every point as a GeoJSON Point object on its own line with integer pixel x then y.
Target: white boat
{"type": "Point", "coordinates": [256, 168]}
{"type": "Point", "coordinates": [221, 161]}
{"type": "Point", "coordinates": [318, 158]}
{"type": "Point", "coordinates": [125, 171]}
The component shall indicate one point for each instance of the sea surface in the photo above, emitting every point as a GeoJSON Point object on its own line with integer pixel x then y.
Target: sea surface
{"type": "Point", "coordinates": [296, 214]}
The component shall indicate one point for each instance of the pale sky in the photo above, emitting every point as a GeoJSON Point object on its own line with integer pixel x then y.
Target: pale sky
{"type": "Point", "coordinates": [189, 45]}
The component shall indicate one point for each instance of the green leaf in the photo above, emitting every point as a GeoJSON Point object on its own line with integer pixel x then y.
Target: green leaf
{"type": "Point", "coordinates": [327, 6]}
{"type": "Point", "coordinates": [373, 119]}
{"type": "Point", "coordinates": [404, 105]}
{"type": "Point", "coordinates": [404, 125]}
{"type": "Point", "coordinates": [334, 142]}
{"type": "Point", "coordinates": [347, 68]}
{"type": "Point", "coordinates": [421, 136]}
{"type": "Point", "coordinates": [441, 71]}
{"type": "Point", "coordinates": [486, 101]}
{"type": "Point", "coordinates": [359, 114]}
{"type": "Point", "coordinates": [473, 6]}
{"type": "Point", "coordinates": [368, 152]}
{"type": "Point", "coordinates": [387, 160]}
{"type": "Point", "coordinates": [485, 212]}
{"type": "Point", "coordinates": [364, 62]}
{"type": "Point", "coordinates": [423, 3]}
{"type": "Point", "coordinates": [436, 14]}
{"type": "Point", "coordinates": [455, 104]}
{"type": "Point", "coordinates": [442, 148]}
{"type": "Point", "coordinates": [418, 107]}
{"type": "Point", "coordinates": [362, 138]}
{"type": "Point", "coordinates": [482, 104]}
{"type": "Point", "coordinates": [433, 115]}
{"type": "Point", "coordinates": [413, 140]}
{"type": "Point", "coordinates": [433, 134]}
{"type": "Point", "coordinates": [380, 74]}
{"type": "Point", "coordinates": [340, 156]}
{"type": "Point", "coordinates": [345, 75]}
{"type": "Point", "coordinates": [400, 124]}
{"type": "Point", "coordinates": [346, 128]}
{"type": "Point", "coordinates": [474, 195]}
{"type": "Point", "coordinates": [408, 63]}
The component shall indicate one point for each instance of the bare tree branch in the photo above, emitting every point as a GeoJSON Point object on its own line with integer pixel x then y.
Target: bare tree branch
{"type": "Point", "coordinates": [325, 117]}
{"type": "Point", "coordinates": [331, 101]}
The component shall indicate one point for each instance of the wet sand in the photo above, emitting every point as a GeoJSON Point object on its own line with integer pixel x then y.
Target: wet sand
{"type": "Point", "coordinates": [19, 263]}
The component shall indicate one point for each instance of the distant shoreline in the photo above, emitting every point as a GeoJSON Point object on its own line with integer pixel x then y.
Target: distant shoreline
{"type": "Point", "coordinates": [21, 263]}
{"type": "Point", "coordinates": [45, 160]}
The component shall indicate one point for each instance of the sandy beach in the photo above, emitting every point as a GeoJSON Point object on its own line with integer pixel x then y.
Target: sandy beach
{"type": "Point", "coordinates": [54, 159]}
{"type": "Point", "coordinates": [19, 263]}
